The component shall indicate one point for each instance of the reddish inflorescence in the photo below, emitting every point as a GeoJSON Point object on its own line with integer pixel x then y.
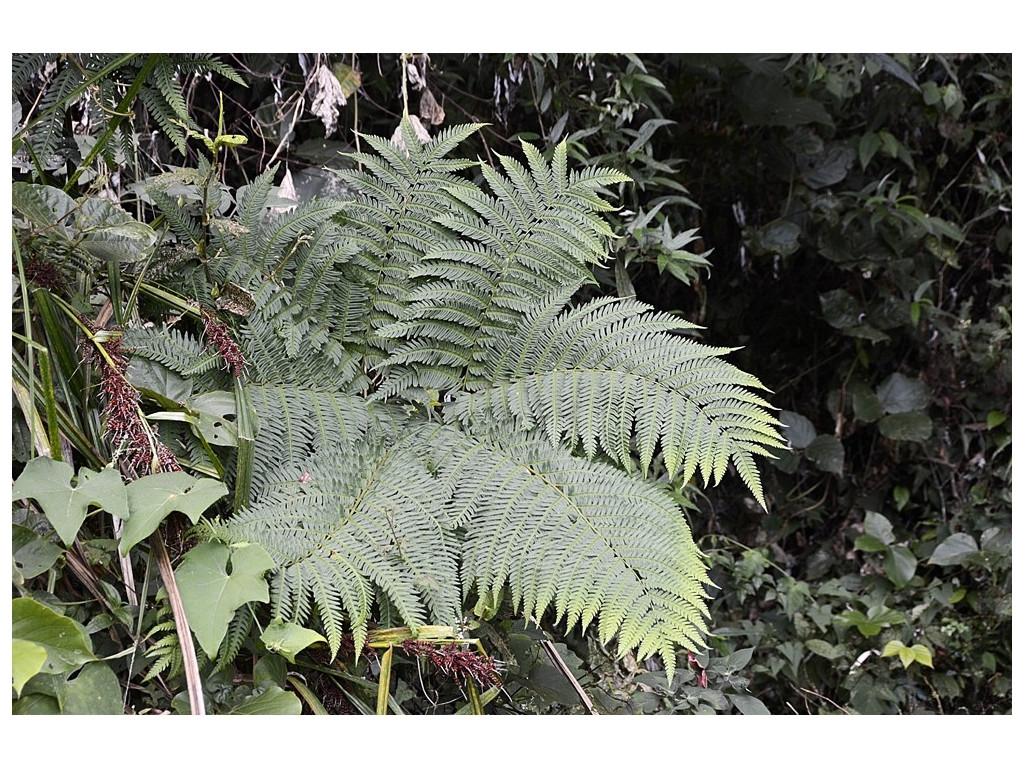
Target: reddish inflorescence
{"type": "Point", "coordinates": [43, 274]}
{"type": "Point", "coordinates": [455, 662]}
{"type": "Point", "coordinates": [125, 428]}
{"type": "Point", "coordinates": [219, 338]}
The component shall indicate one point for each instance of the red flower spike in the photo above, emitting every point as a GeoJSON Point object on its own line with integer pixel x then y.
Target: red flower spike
{"type": "Point", "coordinates": [123, 423]}
{"type": "Point", "coordinates": [460, 664]}
{"type": "Point", "coordinates": [219, 337]}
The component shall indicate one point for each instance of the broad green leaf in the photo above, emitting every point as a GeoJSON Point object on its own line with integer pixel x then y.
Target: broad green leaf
{"type": "Point", "coordinates": [996, 540]}
{"type": "Point", "coordinates": [866, 406]}
{"type": "Point", "coordinates": [954, 550]}
{"type": "Point", "coordinates": [35, 704]}
{"type": "Point", "coordinates": [840, 309]}
{"type": "Point", "coordinates": [154, 497]}
{"type": "Point", "coordinates": [797, 429]}
{"type": "Point", "coordinates": [158, 379]}
{"type": "Point", "coordinates": [871, 624]}
{"type": "Point", "coordinates": [65, 506]}
{"type": "Point", "coordinates": [901, 495]}
{"type": "Point", "coordinates": [900, 565]}
{"type": "Point", "coordinates": [107, 232]}
{"type": "Point", "coordinates": [272, 701]}
{"type": "Point", "coordinates": [27, 659]}
{"type": "Point", "coordinates": [827, 168]}
{"type": "Point", "coordinates": [65, 641]}
{"type": "Point", "coordinates": [779, 237]}
{"type": "Point", "coordinates": [826, 451]}
{"type": "Point", "coordinates": [901, 394]}
{"type": "Point", "coordinates": [824, 649]}
{"type": "Point", "coordinates": [888, 64]}
{"type": "Point", "coordinates": [213, 409]}
{"type": "Point", "coordinates": [94, 691]}
{"type": "Point", "coordinates": [44, 206]}
{"type": "Point", "coordinates": [879, 527]}
{"type": "Point", "coordinates": [914, 426]}
{"type": "Point", "coordinates": [32, 553]}
{"type": "Point", "coordinates": [994, 419]}
{"type": "Point", "coordinates": [733, 662]}
{"type": "Point", "coordinates": [288, 638]}
{"type": "Point", "coordinates": [917, 652]}
{"type": "Point", "coordinates": [868, 146]}
{"type": "Point", "coordinates": [865, 543]}
{"type": "Point", "coordinates": [212, 590]}
{"type": "Point", "coordinates": [748, 705]}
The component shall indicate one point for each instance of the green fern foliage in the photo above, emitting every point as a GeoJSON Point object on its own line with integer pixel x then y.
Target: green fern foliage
{"type": "Point", "coordinates": [612, 372]}
{"type": "Point", "coordinates": [358, 517]}
{"type": "Point", "coordinates": [539, 231]}
{"type": "Point", "coordinates": [433, 421]}
{"type": "Point", "coordinates": [99, 80]}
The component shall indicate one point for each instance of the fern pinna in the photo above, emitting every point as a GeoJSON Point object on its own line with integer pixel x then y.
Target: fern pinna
{"type": "Point", "coordinates": [435, 419]}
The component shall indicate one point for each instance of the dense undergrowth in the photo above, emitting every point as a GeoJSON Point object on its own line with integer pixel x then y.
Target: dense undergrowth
{"type": "Point", "coordinates": [843, 218]}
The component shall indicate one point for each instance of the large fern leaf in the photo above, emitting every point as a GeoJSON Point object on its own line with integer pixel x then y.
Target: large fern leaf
{"type": "Point", "coordinates": [610, 373]}
{"type": "Point", "coordinates": [539, 231]}
{"type": "Point", "coordinates": [575, 535]}
{"type": "Point", "coordinates": [358, 517]}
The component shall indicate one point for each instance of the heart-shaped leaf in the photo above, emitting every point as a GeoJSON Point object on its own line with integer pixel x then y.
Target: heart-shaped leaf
{"type": "Point", "coordinates": [901, 394]}
{"type": "Point", "coordinates": [154, 497]}
{"type": "Point", "coordinates": [287, 638]}
{"type": "Point", "coordinates": [215, 580]}
{"type": "Point", "coordinates": [65, 505]}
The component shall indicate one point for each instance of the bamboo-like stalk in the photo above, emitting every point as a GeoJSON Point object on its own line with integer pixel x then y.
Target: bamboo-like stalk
{"type": "Point", "coordinates": [561, 666]}
{"type": "Point", "coordinates": [188, 649]}
{"type": "Point", "coordinates": [384, 684]}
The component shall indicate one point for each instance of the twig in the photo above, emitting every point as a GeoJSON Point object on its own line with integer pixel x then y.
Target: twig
{"type": "Point", "coordinates": [826, 698]}
{"type": "Point", "coordinates": [188, 650]}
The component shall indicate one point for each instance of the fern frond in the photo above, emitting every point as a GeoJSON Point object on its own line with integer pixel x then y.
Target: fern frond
{"type": "Point", "coordinates": [295, 422]}
{"type": "Point", "coordinates": [401, 195]}
{"type": "Point", "coordinates": [173, 349]}
{"type": "Point", "coordinates": [578, 536]}
{"type": "Point", "coordinates": [613, 370]}
{"type": "Point", "coordinates": [533, 234]}
{"type": "Point", "coordinates": [366, 517]}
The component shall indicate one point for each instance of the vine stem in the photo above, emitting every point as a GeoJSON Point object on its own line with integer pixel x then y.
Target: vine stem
{"type": "Point", "coordinates": [188, 649]}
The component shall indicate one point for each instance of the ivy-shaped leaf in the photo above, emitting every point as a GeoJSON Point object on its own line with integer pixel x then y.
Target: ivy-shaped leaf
{"type": "Point", "coordinates": [288, 638]}
{"type": "Point", "coordinates": [154, 497]}
{"type": "Point", "coordinates": [65, 505]}
{"type": "Point", "coordinates": [215, 580]}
